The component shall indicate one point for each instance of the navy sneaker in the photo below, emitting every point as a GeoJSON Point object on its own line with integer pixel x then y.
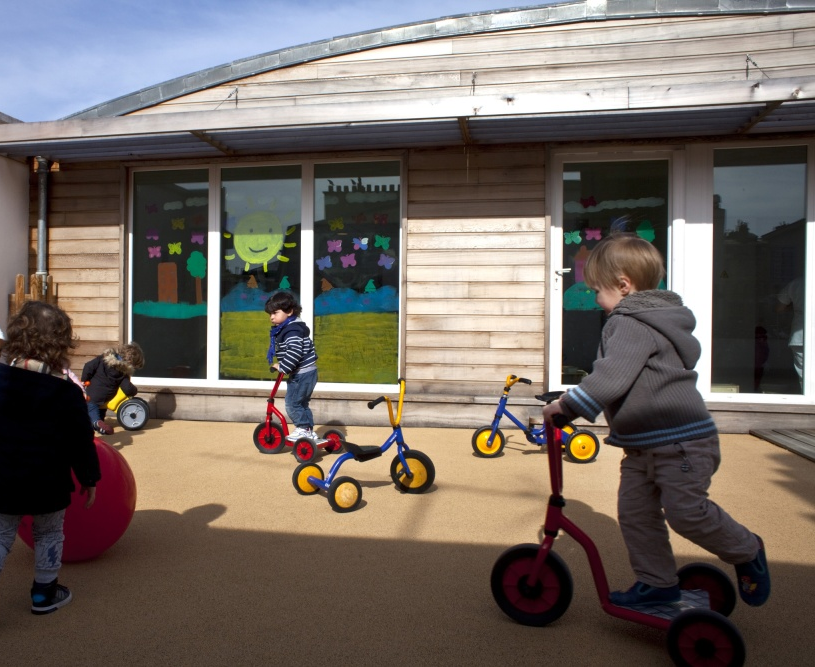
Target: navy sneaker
{"type": "Point", "coordinates": [754, 578]}
{"type": "Point", "coordinates": [46, 598]}
{"type": "Point", "coordinates": [641, 594]}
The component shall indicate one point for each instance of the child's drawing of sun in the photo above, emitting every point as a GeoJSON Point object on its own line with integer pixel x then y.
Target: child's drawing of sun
{"type": "Point", "coordinates": [259, 238]}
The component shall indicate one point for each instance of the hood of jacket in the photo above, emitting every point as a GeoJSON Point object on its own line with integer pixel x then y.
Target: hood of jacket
{"type": "Point", "coordinates": [112, 360]}
{"type": "Point", "coordinates": [663, 311]}
{"type": "Point", "coordinates": [297, 326]}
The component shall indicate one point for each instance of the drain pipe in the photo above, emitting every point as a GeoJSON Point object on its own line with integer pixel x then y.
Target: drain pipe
{"type": "Point", "coordinates": [42, 223]}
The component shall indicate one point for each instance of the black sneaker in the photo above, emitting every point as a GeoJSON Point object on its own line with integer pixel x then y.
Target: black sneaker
{"type": "Point", "coordinates": [641, 594]}
{"type": "Point", "coordinates": [754, 578]}
{"type": "Point", "coordinates": [47, 598]}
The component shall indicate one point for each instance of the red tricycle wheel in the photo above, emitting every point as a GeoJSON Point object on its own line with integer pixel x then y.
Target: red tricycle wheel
{"type": "Point", "coordinates": [304, 450]}
{"type": "Point", "coordinates": [269, 439]}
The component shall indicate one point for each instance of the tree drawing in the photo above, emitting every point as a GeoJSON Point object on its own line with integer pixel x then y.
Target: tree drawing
{"type": "Point", "coordinates": [197, 266]}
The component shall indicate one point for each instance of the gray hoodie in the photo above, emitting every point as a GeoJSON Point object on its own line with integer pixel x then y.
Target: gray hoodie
{"type": "Point", "coordinates": [643, 377]}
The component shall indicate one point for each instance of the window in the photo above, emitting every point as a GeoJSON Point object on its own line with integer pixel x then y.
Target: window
{"type": "Point", "coordinates": [759, 240]}
{"type": "Point", "coordinates": [169, 271]}
{"type": "Point", "coordinates": [342, 262]}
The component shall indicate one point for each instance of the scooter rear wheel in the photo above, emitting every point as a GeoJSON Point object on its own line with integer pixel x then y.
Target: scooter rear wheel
{"type": "Point", "coordinates": [336, 439]}
{"type": "Point", "coordinates": [485, 447]}
{"type": "Point", "coordinates": [536, 603]}
{"type": "Point", "coordinates": [702, 637]}
{"type": "Point", "coordinates": [269, 440]}
{"type": "Point", "coordinates": [708, 578]}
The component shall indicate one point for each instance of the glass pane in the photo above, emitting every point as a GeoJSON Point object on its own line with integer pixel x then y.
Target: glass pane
{"type": "Point", "coordinates": [759, 236]}
{"type": "Point", "coordinates": [598, 198]}
{"type": "Point", "coordinates": [356, 271]}
{"type": "Point", "coordinates": [260, 243]}
{"type": "Point", "coordinates": [170, 217]}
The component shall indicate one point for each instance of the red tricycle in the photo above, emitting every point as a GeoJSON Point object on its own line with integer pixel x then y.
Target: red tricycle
{"type": "Point", "coordinates": [533, 586]}
{"type": "Point", "coordinates": [271, 436]}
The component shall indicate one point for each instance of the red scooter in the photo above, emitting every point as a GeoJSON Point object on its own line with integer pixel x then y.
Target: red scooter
{"type": "Point", "coordinates": [533, 586]}
{"type": "Point", "coordinates": [271, 436]}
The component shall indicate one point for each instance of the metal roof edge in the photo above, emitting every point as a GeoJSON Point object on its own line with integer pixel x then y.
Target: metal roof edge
{"type": "Point", "coordinates": [449, 26]}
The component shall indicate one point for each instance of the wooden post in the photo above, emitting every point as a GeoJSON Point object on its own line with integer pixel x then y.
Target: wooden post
{"type": "Point", "coordinates": [16, 300]}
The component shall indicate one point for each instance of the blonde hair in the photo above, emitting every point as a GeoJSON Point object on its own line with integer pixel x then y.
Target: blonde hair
{"type": "Point", "coordinates": [624, 254]}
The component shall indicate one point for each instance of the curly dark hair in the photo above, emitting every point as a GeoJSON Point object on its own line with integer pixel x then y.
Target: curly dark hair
{"type": "Point", "coordinates": [284, 301]}
{"type": "Point", "coordinates": [40, 331]}
{"type": "Point", "coordinates": [132, 353]}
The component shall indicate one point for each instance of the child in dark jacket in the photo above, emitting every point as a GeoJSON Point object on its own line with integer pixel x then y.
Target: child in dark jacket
{"type": "Point", "coordinates": [289, 341]}
{"type": "Point", "coordinates": [644, 382]}
{"type": "Point", "coordinates": [45, 436]}
{"type": "Point", "coordinates": [104, 375]}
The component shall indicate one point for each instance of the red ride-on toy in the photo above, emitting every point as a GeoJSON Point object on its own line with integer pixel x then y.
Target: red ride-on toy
{"type": "Point", "coordinates": [533, 586]}
{"type": "Point", "coordinates": [271, 436]}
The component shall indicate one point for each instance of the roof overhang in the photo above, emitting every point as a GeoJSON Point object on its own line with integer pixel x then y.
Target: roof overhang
{"type": "Point", "coordinates": [746, 108]}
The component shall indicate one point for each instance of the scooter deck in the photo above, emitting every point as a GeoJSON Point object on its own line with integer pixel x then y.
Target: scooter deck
{"type": "Point", "coordinates": [695, 599]}
{"type": "Point", "coordinates": [318, 442]}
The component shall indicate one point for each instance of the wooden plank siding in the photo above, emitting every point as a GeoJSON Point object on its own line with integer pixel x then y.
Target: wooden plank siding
{"type": "Point", "coordinates": [587, 56]}
{"type": "Point", "coordinates": [474, 267]}
{"type": "Point", "coordinates": [85, 251]}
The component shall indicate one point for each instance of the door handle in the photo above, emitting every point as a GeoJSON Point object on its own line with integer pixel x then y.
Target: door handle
{"type": "Point", "coordinates": [562, 272]}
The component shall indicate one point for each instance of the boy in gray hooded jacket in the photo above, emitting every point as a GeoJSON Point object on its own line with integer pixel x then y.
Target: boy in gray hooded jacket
{"type": "Point", "coordinates": [644, 382]}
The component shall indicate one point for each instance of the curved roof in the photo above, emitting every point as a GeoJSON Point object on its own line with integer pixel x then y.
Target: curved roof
{"type": "Point", "coordinates": [451, 26]}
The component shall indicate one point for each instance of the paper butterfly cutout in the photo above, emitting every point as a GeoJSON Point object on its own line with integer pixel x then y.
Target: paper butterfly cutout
{"type": "Point", "coordinates": [594, 233]}
{"type": "Point", "coordinates": [361, 244]}
{"type": "Point", "coordinates": [154, 251]}
{"type": "Point", "coordinates": [382, 242]}
{"type": "Point", "coordinates": [175, 248]}
{"type": "Point", "coordinates": [178, 223]}
{"type": "Point", "coordinates": [335, 246]}
{"type": "Point", "coordinates": [360, 218]}
{"type": "Point", "coordinates": [336, 224]}
{"type": "Point", "coordinates": [588, 201]}
{"type": "Point", "coordinates": [198, 219]}
{"type": "Point", "coordinates": [348, 260]}
{"type": "Point", "coordinates": [572, 237]}
{"type": "Point", "coordinates": [152, 208]}
{"type": "Point", "coordinates": [197, 238]}
{"type": "Point", "coordinates": [380, 218]}
{"type": "Point", "coordinates": [324, 263]}
{"type": "Point", "coordinates": [152, 234]}
{"type": "Point", "coordinates": [385, 261]}
{"type": "Point", "coordinates": [645, 230]}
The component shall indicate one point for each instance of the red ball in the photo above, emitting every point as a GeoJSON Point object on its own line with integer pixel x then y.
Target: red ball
{"type": "Point", "coordinates": [90, 532]}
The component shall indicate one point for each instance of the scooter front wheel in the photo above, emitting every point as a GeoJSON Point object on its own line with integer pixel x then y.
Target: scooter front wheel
{"type": "Point", "coordinates": [422, 472]}
{"type": "Point", "coordinates": [269, 439]}
{"type": "Point", "coordinates": [703, 637]}
{"type": "Point", "coordinates": [486, 446]}
{"type": "Point", "coordinates": [529, 597]}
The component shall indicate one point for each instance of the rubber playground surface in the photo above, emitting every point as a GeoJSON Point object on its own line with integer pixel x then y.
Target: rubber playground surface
{"type": "Point", "coordinates": [224, 563]}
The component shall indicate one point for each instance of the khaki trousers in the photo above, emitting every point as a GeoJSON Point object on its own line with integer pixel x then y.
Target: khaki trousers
{"type": "Point", "coordinates": [670, 484]}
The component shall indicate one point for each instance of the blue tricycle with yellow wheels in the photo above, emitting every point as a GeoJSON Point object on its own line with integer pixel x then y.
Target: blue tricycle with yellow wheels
{"type": "Point", "coordinates": [411, 470]}
{"type": "Point", "coordinates": [579, 445]}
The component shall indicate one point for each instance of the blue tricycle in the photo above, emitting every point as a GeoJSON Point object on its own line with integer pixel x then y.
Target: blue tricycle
{"type": "Point", "coordinates": [411, 470]}
{"type": "Point", "coordinates": [580, 445]}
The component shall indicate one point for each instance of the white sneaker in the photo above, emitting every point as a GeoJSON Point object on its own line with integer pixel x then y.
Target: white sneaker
{"type": "Point", "coordinates": [301, 433]}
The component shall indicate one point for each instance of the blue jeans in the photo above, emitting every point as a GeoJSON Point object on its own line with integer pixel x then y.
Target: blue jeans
{"type": "Point", "coordinates": [96, 412]}
{"type": "Point", "coordinates": [298, 394]}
